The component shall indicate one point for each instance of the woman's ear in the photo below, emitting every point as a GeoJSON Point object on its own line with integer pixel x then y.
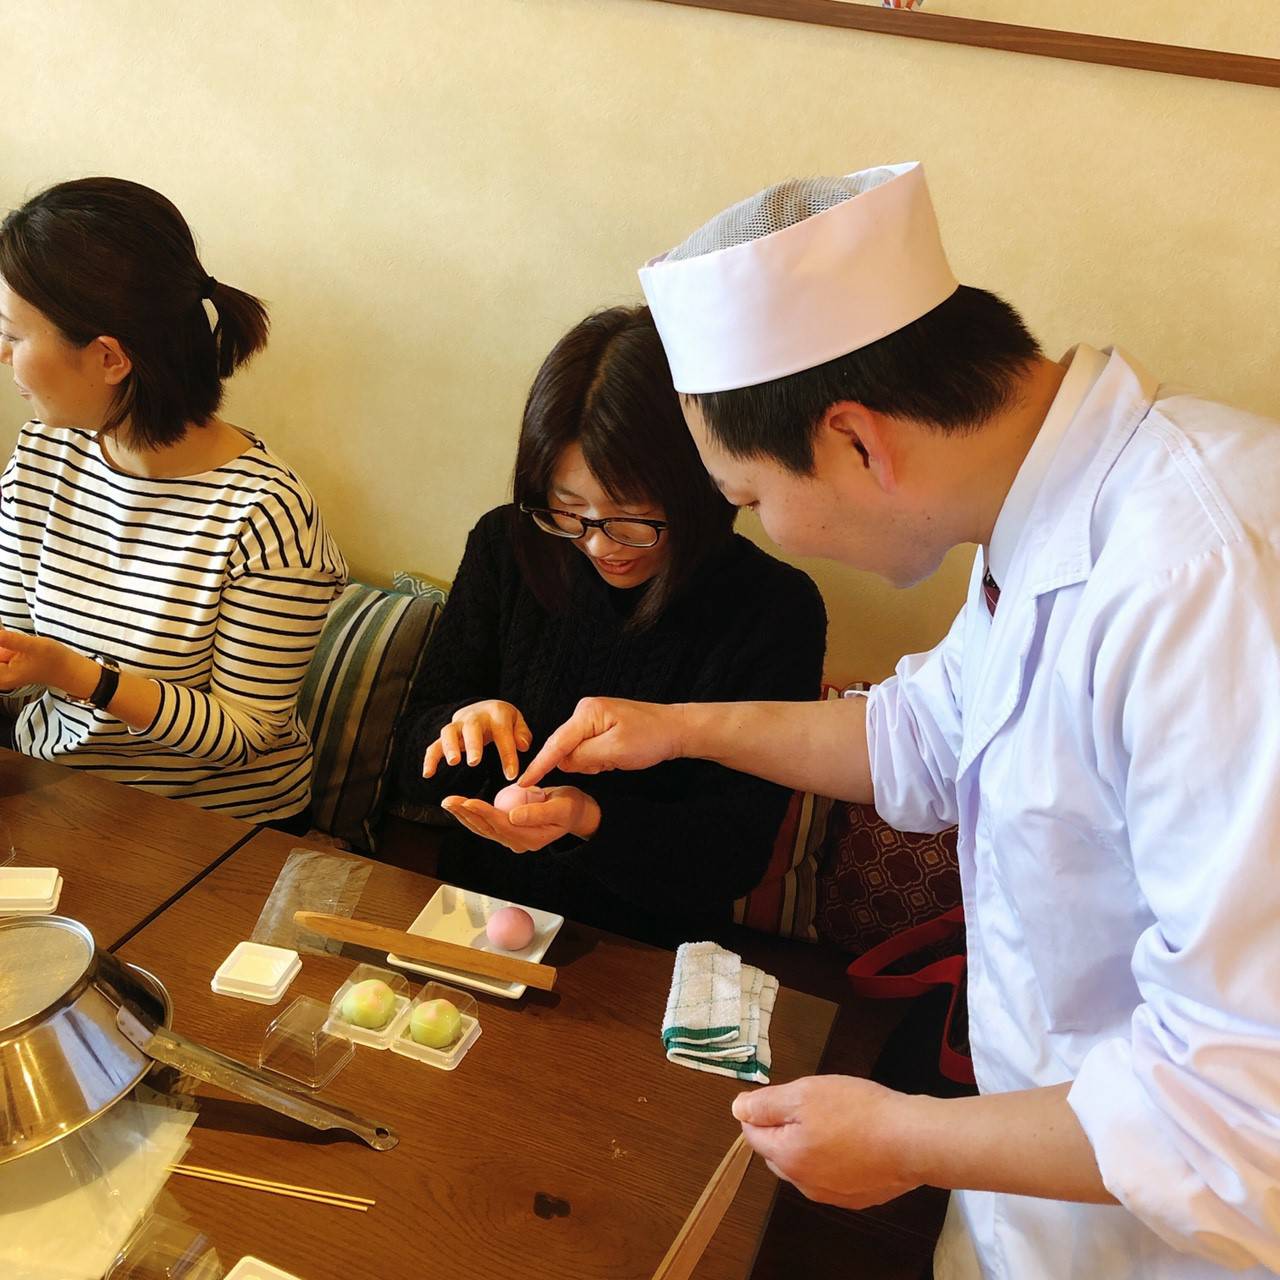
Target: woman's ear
{"type": "Point", "coordinates": [852, 436]}
{"type": "Point", "coordinates": [111, 360]}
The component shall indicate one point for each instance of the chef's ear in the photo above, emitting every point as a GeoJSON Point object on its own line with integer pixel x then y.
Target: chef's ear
{"type": "Point", "coordinates": [858, 436]}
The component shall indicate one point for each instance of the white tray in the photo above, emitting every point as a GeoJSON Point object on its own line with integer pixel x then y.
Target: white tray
{"type": "Point", "coordinates": [459, 916]}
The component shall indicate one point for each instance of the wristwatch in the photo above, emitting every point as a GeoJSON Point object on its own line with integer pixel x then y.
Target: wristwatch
{"type": "Point", "coordinates": [105, 689]}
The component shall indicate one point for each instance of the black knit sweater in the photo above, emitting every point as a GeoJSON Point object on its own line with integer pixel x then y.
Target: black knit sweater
{"type": "Point", "coordinates": [676, 843]}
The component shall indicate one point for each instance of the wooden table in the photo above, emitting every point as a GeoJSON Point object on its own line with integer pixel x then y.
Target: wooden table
{"type": "Point", "coordinates": [565, 1145]}
{"type": "Point", "coordinates": [123, 853]}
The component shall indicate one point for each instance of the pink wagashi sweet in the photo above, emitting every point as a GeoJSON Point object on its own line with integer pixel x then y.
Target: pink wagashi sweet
{"type": "Point", "coordinates": [514, 797]}
{"type": "Point", "coordinates": [510, 928]}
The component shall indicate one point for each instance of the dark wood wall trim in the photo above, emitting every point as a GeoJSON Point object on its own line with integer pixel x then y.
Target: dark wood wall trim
{"type": "Point", "coordinates": [1174, 59]}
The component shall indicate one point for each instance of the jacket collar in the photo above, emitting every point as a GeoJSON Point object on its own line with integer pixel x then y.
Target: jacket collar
{"type": "Point", "coordinates": [1055, 549]}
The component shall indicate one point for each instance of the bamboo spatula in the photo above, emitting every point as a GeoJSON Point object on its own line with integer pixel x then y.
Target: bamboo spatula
{"type": "Point", "coordinates": [431, 950]}
{"type": "Point", "coordinates": [692, 1239]}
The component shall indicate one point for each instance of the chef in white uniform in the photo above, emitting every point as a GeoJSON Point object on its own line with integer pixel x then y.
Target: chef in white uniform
{"type": "Point", "coordinates": [1102, 722]}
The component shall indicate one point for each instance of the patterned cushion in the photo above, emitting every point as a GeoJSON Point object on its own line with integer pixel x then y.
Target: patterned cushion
{"type": "Point", "coordinates": [369, 653]}
{"type": "Point", "coordinates": [875, 882]}
{"type": "Point", "coordinates": [785, 901]}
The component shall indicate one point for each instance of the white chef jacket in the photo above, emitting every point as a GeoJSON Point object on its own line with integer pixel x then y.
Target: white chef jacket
{"type": "Point", "coordinates": [1109, 746]}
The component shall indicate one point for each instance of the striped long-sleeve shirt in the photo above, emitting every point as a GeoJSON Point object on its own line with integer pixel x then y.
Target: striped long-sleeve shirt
{"type": "Point", "coordinates": [215, 586]}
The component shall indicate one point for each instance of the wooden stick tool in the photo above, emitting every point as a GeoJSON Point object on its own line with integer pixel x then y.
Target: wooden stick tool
{"type": "Point", "coordinates": [337, 1199]}
{"type": "Point", "coordinates": [431, 950]}
{"type": "Point", "coordinates": [692, 1239]}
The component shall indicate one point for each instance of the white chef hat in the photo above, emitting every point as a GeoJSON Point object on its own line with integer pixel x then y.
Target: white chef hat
{"type": "Point", "coordinates": [797, 275]}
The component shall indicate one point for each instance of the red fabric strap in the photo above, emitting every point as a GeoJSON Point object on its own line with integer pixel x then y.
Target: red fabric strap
{"type": "Point", "coordinates": [867, 978]}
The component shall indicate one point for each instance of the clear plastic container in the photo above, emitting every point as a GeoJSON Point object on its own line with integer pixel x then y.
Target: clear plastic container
{"type": "Point", "coordinates": [256, 972]}
{"type": "Point", "coordinates": [165, 1248]}
{"type": "Point", "coordinates": [375, 1037]}
{"type": "Point", "coordinates": [448, 1056]}
{"type": "Point", "coordinates": [297, 1046]}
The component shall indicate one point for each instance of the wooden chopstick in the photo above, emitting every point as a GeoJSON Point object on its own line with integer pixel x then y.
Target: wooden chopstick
{"type": "Point", "coordinates": [337, 1199]}
{"type": "Point", "coordinates": [434, 951]}
{"type": "Point", "coordinates": [692, 1239]}
{"type": "Point", "coordinates": [267, 1182]}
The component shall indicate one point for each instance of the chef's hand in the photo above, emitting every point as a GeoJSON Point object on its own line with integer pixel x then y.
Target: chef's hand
{"type": "Point", "coordinates": [565, 811]}
{"type": "Point", "coordinates": [474, 726]}
{"type": "Point", "coordinates": [838, 1139]}
{"type": "Point", "coordinates": [28, 660]}
{"type": "Point", "coordinates": [609, 733]}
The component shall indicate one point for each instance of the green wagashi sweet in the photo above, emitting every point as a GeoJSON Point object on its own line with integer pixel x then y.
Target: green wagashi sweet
{"type": "Point", "coordinates": [435, 1023]}
{"type": "Point", "coordinates": [369, 1004]}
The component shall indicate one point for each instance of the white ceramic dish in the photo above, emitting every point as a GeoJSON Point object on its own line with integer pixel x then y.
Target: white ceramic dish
{"type": "Point", "coordinates": [257, 972]}
{"type": "Point", "coordinates": [459, 916]}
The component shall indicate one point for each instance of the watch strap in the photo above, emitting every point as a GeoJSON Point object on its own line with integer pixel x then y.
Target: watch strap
{"type": "Point", "coordinates": [108, 683]}
{"type": "Point", "coordinates": [105, 689]}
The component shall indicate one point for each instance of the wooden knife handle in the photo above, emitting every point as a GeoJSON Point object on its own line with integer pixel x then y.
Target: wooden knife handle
{"type": "Point", "coordinates": [431, 950]}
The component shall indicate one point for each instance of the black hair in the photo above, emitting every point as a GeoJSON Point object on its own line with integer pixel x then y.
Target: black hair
{"type": "Point", "coordinates": [606, 386]}
{"type": "Point", "coordinates": [954, 369]}
{"type": "Point", "coordinates": [103, 257]}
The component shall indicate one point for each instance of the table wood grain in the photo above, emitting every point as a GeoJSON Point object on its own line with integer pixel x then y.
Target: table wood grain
{"type": "Point", "coordinates": [123, 853]}
{"type": "Point", "coordinates": [564, 1145]}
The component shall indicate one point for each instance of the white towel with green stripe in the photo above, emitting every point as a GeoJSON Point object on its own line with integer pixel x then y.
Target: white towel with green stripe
{"type": "Point", "coordinates": [718, 1013]}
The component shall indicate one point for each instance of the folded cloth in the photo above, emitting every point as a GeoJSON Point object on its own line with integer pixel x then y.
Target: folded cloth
{"type": "Point", "coordinates": [718, 1013]}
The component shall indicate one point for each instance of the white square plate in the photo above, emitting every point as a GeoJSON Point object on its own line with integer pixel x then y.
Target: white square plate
{"type": "Point", "coordinates": [459, 916]}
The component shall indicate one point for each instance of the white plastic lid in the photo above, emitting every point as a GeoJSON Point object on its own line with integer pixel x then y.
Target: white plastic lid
{"type": "Point", "coordinates": [255, 1269]}
{"type": "Point", "coordinates": [29, 888]}
{"type": "Point", "coordinates": [254, 971]}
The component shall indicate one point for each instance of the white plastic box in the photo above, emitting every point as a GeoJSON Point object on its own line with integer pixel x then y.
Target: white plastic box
{"type": "Point", "coordinates": [448, 1057]}
{"type": "Point", "coordinates": [254, 971]}
{"type": "Point", "coordinates": [374, 1037]}
{"type": "Point", "coordinates": [29, 891]}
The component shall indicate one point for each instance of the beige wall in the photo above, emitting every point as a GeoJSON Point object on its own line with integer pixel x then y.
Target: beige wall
{"type": "Point", "coordinates": [428, 192]}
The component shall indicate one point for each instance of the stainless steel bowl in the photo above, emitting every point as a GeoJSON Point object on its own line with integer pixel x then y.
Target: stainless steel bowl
{"type": "Point", "coordinates": [62, 1060]}
{"type": "Point", "coordinates": [79, 1028]}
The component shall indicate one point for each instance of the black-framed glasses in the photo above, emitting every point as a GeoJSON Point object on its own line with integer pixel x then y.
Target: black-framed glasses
{"type": "Point", "coordinates": [624, 530]}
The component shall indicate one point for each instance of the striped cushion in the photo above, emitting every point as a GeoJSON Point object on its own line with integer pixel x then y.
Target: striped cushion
{"type": "Point", "coordinates": [369, 653]}
{"type": "Point", "coordinates": [785, 901]}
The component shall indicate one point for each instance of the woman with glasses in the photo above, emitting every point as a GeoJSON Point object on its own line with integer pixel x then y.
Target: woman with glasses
{"type": "Point", "coordinates": [615, 571]}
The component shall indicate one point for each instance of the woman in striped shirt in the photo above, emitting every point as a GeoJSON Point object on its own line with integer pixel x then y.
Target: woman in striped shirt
{"type": "Point", "coordinates": [163, 576]}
